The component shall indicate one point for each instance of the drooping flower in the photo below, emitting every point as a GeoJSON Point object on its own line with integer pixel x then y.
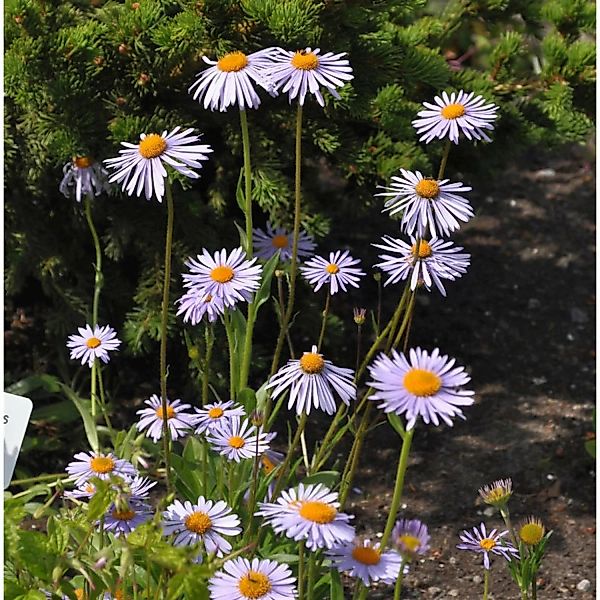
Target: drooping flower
{"type": "Point", "coordinates": [206, 521]}
{"type": "Point", "coordinates": [214, 416]}
{"type": "Point", "coordinates": [427, 204]}
{"type": "Point", "coordinates": [422, 385]}
{"type": "Point", "coordinates": [497, 493]}
{"type": "Point", "coordinates": [436, 260]}
{"type": "Point", "coordinates": [359, 315]}
{"type": "Point", "coordinates": [93, 343]}
{"type": "Point", "coordinates": [487, 543]}
{"type": "Point", "coordinates": [123, 520]}
{"type": "Point", "coordinates": [410, 537]}
{"type": "Point", "coordinates": [83, 176]}
{"type": "Point", "coordinates": [532, 531]}
{"type": "Point", "coordinates": [306, 71]}
{"type": "Point", "coordinates": [230, 80]}
{"type": "Point", "coordinates": [267, 243]}
{"type": "Point", "coordinates": [230, 277]}
{"type": "Point", "coordinates": [451, 115]}
{"type": "Point", "coordinates": [195, 303]}
{"type": "Point", "coordinates": [151, 418]}
{"type": "Point", "coordinates": [242, 579]}
{"type": "Point", "coordinates": [94, 464]}
{"type": "Point", "coordinates": [136, 488]}
{"type": "Point", "coordinates": [309, 513]}
{"type": "Point", "coordinates": [337, 272]}
{"type": "Point", "coordinates": [363, 559]}
{"type": "Point", "coordinates": [141, 167]}
{"type": "Point", "coordinates": [312, 381]}
{"type": "Point", "coordinates": [238, 439]}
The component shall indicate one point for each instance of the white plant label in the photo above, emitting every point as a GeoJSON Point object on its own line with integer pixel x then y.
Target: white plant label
{"type": "Point", "coordinates": [17, 411]}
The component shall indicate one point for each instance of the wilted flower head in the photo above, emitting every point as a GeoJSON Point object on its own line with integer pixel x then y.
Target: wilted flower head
{"type": "Point", "coordinates": [497, 493]}
{"type": "Point", "coordinates": [83, 177]}
{"type": "Point", "coordinates": [360, 315]}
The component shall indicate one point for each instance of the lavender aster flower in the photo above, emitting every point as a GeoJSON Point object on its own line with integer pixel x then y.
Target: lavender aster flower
{"type": "Point", "coordinates": [427, 204]}
{"type": "Point", "coordinates": [230, 80]}
{"type": "Point", "coordinates": [196, 303]}
{"type": "Point", "coordinates": [485, 543]}
{"type": "Point", "coordinates": [364, 559]}
{"type": "Point", "coordinates": [125, 519]}
{"type": "Point", "coordinates": [312, 381]}
{"type": "Point", "coordinates": [230, 277]}
{"type": "Point", "coordinates": [337, 272]}
{"type": "Point", "coordinates": [141, 167]}
{"type": "Point", "coordinates": [83, 177]}
{"type": "Point", "coordinates": [267, 243]}
{"type": "Point", "coordinates": [237, 439]}
{"type": "Point", "coordinates": [214, 416]}
{"type": "Point", "coordinates": [306, 71]}
{"type": "Point", "coordinates": [436, 260]}
{"type": "Point", "coordinates": [309, 513]}
{"type": "Point", "coordinates": [206, 521]}
{"type": "Point", "coordinates": [451, 115]}
{"type": "Point", "coordinates": [422, 385]}
{"type": "Point", "coordinates": [241, 579]}
{"type": "Point", "coordinates": [410, 537]}
{"type": "Point", "coordinates": [94, 343]}
{"type": "Point", "coordinates": [151, 419]}
{"type": "Point", "coordinates": [94, 464]}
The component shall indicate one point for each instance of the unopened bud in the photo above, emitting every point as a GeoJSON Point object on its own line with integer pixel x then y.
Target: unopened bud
{"type": "Point", "coordinates": [279, 272]}
{"type": "Point", "coordinates": [194, 353]}
{"type": "Point", "coordinates": [377, 276]}
{"type": "Point", "coordinates": [143, 79]}
{"type": "Point", "coordinates": [360, 315]}
{"type": "Point", "coordinates": [257, 418]}
{"type": "Point", "coordinates": [123, 49]}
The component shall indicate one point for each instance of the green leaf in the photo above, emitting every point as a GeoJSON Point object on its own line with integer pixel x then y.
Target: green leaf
{"type": "Point", "coordinates": [327, 478]}
{"type": "Point", "coordinates": [25, 386]}
{"type": "Point", "coordinates": [243, 238]}
{"type": "Point", "coordinates": [84, 408]}
{"type": "Point", "coordinates": [101, 499]}
{"type": "Point", "coordinates": [264, 291]}
{"type": "Point", "coordinates": [247, 398]}
{"type": "Point", "coordinates": [590, 447]}
{"type": "Point", "coordinates": [396, 423]}
{"type": "Point", "coordinates": [240, 195]}
{"type": "Point", "coordinates": [336, 589]}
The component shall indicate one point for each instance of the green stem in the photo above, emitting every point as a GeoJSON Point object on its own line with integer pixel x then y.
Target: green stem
{"type": "Point", "coordinates": [311, 575]}
{"type": "Point", "coordinates": [232, 355]}
{"type": "Point", "coordinates": [289, 456]}
{"type": "Point", "coordinates": [364, 591]}
{"type": "Point", "coordinates": [281, 312]}
{"type": "Point", "coordinates": [163, 333]}
{"type": "Point", "coordinates": [486, 583]}
{"type": "Point", "coordinates": [204, 467]}
{"type": "Point", "coordinates": [324, 322]}
{"type": "Point", "coordinates": [247, 353]}
{"type": "Point", "coordinates": [209, 338]}
{"type": "Point", "coordinates": [103, 404]}
{"type": "Point", "coordinates": [397, 497]}
{"type": "Point", "coordinates": [406, 320]}
{"type": "Point", "coordinates": [505, 514]}
{"type": "Point", "coordinates": [93, 394]}
{"type": "Point", "coordinates": [28, 480]}
{"type": "Point", "coordinates": [247, 181]}
{"type": "Point", "coordinates": [301, 571]}
{"type": "Point", "coordinates": [98, 279]}
{"type": "Point", "coordinates": [444, 159]}
{"type": "Point", "coordinates": [398, 586]}
{"type": "Point", "coordinates": [294, 264]}
{"type": "Point", "coordinates": [358, 336]}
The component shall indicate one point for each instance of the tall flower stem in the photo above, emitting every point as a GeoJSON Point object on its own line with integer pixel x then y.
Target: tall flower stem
{"type": "Point", "coordinates": [289, 456]}
{"type": "Point", "coordinates": [311, 576]}
{"type": "Point", "coordinates": [209, 338]}
{"type": "Point", "coordinates": [324, 322]}
{"type": "Point", "coordinates": [301, 571]}
{"type": "Point", "coordinates": [486, 583]}
{"type": "Point", "coordinates": [444, 159]}
{"type": "Point", "coordinates": [398, 487]}
{"type": "Point", "coordinates": [247, 181]}
{"type": "Point", "coordinates": [163, 332]}
{"type": "Point", "coordinates": [294, 264]}
{"type": "Point", "coordinates": [398, 586]}
{"type": "Point", "coordinates": [103, 404]}
{"type": "Point", "coordinates": [93, 393]}
{"type": "Point", "coordinates": [358, 336]}
{"type": "Point", "coordinates": [233, 369]}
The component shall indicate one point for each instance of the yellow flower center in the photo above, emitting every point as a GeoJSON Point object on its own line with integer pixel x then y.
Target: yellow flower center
{"type": "Point", "coordinates": [424, 249]}
{"type": "Point", "coordinates": [427, 188]}
{"type": "Point", "coordinates": [280, 241]}
{"type": "Point", "coordinates": [198, 522]}
{"type": "Point", "coordinates": [102, 464]}
{"type": "Point", "coordinates": [222, 274]}
{"type": "Point", "coordinates": [79, 594]}
{"type": "Point", "coordinates": [237, 442]}
{"type": "Point", "coordinates": [312, 363]}
{"type": "Point", "coordinates": [83, 162]}
{"type": "Point", "coordinates": [119, 594]}
{"type": "Point", "coordinates": [366, 555]}
{"type": "Point", "coordinates": [254, 585]}
{"type": "Point", "coordinates": [453, 111]}
{"type": "Point", "coordinates": [317, 512]}
{"type": "Point", "coordinates": [410, 542]}
{"type": "Point", "coordinates": [93, 342]}
{"type": "Point", "coordinates": [420, 382]}
{"type": "Point", "coordinates": [306, 61]}
{"type": "Point", "coordinates": [123, 515]}
{"type": "Point", "coordinates": [487, 543]}
{"type": "Point", "coordinates": [152, 145]}
{"type": "Point", "coordinates": [496, 495]}
{"type": "Point", "coordinates": [234, 61]}
{"type": "Point", "coordinates": [332, 269]}
{"type": "Point", "coordinates": [216, 413]}
{"type": "Point", "coordinates": [170, 412]}
{"type": "Point", "coordinates": [532, 533]}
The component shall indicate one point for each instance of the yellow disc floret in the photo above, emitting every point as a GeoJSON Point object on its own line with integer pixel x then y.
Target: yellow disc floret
{"type": "Point", "coordinates": [215, 412]}
{"type": "Point", "coordinates": [312, 363]}
{"type": "Point", "coordinates": [410, 542]}
{"type": "Point", "coordinates": [317, 512]}
{"type": "Point", "coordinates": [305, 61]}
{"type": "Point", "coordinates": [198, 522]}
{"type": "Point", "coordinates": [427, 188]}
{"type": "Point", "coordinates": [232, 62]}
{"type": "Point", "coordinates": [102, 464]}
{"type": "Point", "coordinates": [123, 515]}
{"type": "Point", "coordinates": [83, 162]}
{"type": "Point", "coordinates": [222, 274]}
{"type": "Point", "coordinates": [280, 241]}
{"type": "Point", "coordinates": [424, 249]}
{"type": "Point", "coordinates": [487, 544]}
{"type": "Point", "coordinates": [366, 555]}
{"type": "Point", "coordinates": [532, 532]}
{"type": "Point", "coordinates": [453, 111]}
{"type": "Point", "coordinates": [254, 585]}
{"type": "Point", "coordinates": [170, 412]}
{"type": "Point", "coordinates": [421, 382]}
{"type": "Point", "coordinates": [152, 145]}
{"type": "Point", "coordinates": [93, 342]}
{"type": "Point", "coordinates": [332, 269]}
{"type": "Point", "coordinates": [237, 442]}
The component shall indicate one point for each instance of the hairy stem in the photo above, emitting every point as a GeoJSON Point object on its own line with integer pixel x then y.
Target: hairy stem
{"type": "Point", "coordinates": [324, 322]}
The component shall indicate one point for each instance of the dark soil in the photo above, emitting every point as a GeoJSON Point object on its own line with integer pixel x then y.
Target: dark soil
{"type": "Point", "coordinates": [523, 320]}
